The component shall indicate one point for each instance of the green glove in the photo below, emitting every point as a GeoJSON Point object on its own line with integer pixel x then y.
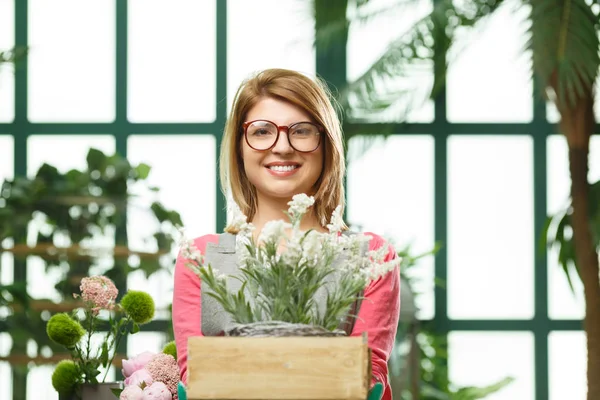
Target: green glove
{"type": "Point", "coordinates": [375, 393]}
{"type": "Point", "coordinates": [181, 391]}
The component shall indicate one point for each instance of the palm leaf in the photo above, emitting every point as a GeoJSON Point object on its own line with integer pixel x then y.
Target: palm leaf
{"type": "Point", "coordinates": [391, 83]}
{"type": "Point", "coordinates": [564, 47]}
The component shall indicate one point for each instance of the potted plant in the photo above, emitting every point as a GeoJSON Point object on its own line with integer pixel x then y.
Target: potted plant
{"type": "Point", "coordinates": [79, 377]}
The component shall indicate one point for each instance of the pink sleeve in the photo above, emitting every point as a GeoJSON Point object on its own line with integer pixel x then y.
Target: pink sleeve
{"type": "Point", "coordinates": [187, 305]}
{"type": "Point", "coordinates": [378, 316]}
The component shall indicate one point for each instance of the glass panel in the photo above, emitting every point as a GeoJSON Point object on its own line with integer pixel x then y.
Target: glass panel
{"type": "Point", "coordinates": [381, 205]}
{"type": "Point", "coordinates": [183, 168]}
{"type": "Point", "coordinates": [481, 359]}
{"type": "Point", "coordinates": [39, 382]}
{"type": "Point", "coordinates": [488, 78]}
{"type": "Point", "coordinates": [145, 341]}
{"type": "Point", "coordinates": [5, 370]}
{"type": "Point", "coordinates": [72, 61]}
{"type": "Point", "coordinates": [6, 172]}
{"type": "Point", "coordinates": [562, 302]}
{"type": "Point", "coordinates": [270, 43]}
{"type": "Point", "coordinates": [567, 365]}
{"type": "Point", "coordinates": [171, 70]}
{"type": "Point", "coordinates": [7, 155]}
{"type": "Point", "coordinates": [7, 78]}
{"type": "Point", "coordinates": [367, 42]}
{"type": "Point", "coordinates": [490, 227]}
{"type": "Point", "coordinates": [52, 149]}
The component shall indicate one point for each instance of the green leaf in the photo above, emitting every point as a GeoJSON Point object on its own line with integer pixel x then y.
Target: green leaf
{"type": "Point", "coordinates": [96, 160]}
{"type": "Point", "coordinates": [116, 392]}
{"type": "Point", "coordinates": [104, 354]}
{"type": "Point", "coordinates": [135, 328]}
{"type": "Point", "coordinates": [142, 171]}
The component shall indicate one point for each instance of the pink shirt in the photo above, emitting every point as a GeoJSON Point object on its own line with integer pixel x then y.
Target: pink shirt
{"type": "Point", "coordinates": [378, 314]}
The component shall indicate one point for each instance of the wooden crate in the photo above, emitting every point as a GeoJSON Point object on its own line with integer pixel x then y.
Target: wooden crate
{"type": "Point", "coordinates": [300, 368]}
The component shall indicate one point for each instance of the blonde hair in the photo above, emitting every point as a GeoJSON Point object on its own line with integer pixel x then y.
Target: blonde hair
{"type": "Point", "coordinates": [315, 99]}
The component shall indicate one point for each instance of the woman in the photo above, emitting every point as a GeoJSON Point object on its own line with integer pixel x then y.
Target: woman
{"type": "Point", "coordinates": [282, 138]}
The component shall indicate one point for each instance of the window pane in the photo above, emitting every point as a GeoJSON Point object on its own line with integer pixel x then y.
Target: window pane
{"type": "Point", "coordinates": [7, 78]}
{"type": "Point", "coordinates": [562, 302]}
{"type": "Point", "coordinates": [72, 61]}
{"type": "Point", "coordinates": [6, 172]}
{"type": "Point", "coordinates": [145, 341]}
{"type": "Point", "coordinates": [7, 154]}
{"type": "Point", "coordinates": [183, 168]}
{"type": "Point", "coordinates": [5, 371]}
{"type": "Point", "coordinates": [567, 365]}
{"type": "Point", "coordinates": [259, 36]}
{"type": "Point", "coordinates": [481, 359]}
{"type": "Point", "coordinates": [490, 227]}
{"type": "Point", "coordinates": [171, 64]}
{"type": "Point", "coordinates": [39, 382]}
{"type": "Point", "coordinates": [367, 42]}
{"type": "Point", "coordinates": [52, 149]}
{"type": "Point", "coordinates": [488, 78]}
{"type": "Point", "coordinates": [382, 204]}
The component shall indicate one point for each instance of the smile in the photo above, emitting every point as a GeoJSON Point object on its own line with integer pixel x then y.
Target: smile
{"type": "Point", "coordinates": [283, 168]}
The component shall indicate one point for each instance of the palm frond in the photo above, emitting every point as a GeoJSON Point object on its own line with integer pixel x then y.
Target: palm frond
{"type": "Point", "coordinates": [387, 82]}
{"type": "Point", "coordinates": [564, 46]}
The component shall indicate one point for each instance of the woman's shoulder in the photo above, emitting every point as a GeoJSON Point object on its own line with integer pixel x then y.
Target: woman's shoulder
{"type": "Point", "coordinates": [375, 241]}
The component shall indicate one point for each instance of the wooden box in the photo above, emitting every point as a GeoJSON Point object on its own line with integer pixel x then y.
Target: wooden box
{"type": "Point", "coordinates": [240, 368]}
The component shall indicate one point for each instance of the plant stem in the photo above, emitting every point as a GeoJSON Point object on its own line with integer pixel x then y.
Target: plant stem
{"type": "Point", "coordinates": [116, 340]}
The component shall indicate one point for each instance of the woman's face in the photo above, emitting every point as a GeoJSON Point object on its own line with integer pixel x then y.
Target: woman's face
{"type": "Point", "coordinates": [281, 172]}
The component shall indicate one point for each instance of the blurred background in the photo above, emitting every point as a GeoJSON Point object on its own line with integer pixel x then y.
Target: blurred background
{"type": "Point", "coordinates": [453, 154]}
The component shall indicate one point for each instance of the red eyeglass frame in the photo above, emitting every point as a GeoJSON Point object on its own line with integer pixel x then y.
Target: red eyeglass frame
{"type": "Point", "coordinates": [285, 128]}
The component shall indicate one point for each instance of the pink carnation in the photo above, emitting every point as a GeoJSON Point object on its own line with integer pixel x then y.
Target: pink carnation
{"type": "Point", "coordinates": [163, 368]}
{"type": "Point", "coordinates": [157, 391]}
{"type": "Point", "coordinates": [132, 393]}
{"type": "Point", "coordinates": [134, 363]}
{"type": "Point", "coordinates": [99, 291]}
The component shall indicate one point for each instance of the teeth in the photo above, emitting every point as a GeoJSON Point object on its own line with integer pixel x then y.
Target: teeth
{"type": "Point", "coordinates": [286, 168]}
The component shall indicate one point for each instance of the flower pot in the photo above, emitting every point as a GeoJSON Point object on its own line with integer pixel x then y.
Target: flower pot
{"type": "Point", "coordinates": [280, 329]}
{"type": "Point", "coordinates": [270, 368]}
{"type": "Point", "coordinates": [100, 391]}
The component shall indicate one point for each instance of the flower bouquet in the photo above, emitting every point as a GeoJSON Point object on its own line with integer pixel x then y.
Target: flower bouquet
{"type": "Point", "coordinates": [150, 376]}
{"type": "Point", "coordinates": [74, 331]}
{"type": "Point", "coordinates": [285, 272]}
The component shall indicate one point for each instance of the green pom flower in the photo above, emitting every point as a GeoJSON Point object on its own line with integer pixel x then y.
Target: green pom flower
{"type": "Point", "coordinates": [139, 306]}
{"type": "Point", "coordinates": [65, 377]}
{"type": "Point", "coordinates": [64, 330]}
{"type": "Point", "coordinates": [170, 349]}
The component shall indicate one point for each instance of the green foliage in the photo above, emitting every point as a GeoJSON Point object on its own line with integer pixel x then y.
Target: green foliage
{"type": "Point", "coordinates": [564, 45]}
{"type": "Point", "coordinates": [64, 215]}
{"type": "Point", "coordinates": [66, 377]}
{"type": "Point", "coordinates": [64, 330]}
{"type": "Point", "coordinates": [558, 233]}
{"type": "Point", "coordinates": [171, 349]}
{"type": "Point", "coordinates": [139, 306]}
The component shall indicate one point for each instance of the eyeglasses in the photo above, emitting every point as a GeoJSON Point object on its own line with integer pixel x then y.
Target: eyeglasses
{"type": "Point", "coordinates": [261, 135]}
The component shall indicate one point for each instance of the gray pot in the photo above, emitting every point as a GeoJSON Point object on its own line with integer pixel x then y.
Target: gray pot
{"type": "Point", "coordinates": [100, 391]}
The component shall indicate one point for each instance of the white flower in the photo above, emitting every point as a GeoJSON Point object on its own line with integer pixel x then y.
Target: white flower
{"type": "Point", "coordinates": [239, 220]}
{"type": "Point", "coordinates": [189, 249]}
{"type": "Point", "coordinates": [336, 222]}
{"type": "Point", "coordinates": [273, 231]}
{"type": "Point", "coordinates": [300, 204]}
{"type": "Point", "coordinates": [312, 245]}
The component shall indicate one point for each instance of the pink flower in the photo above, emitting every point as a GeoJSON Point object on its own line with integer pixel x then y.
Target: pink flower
{"type": "Point", "coordinates": [134, 363]}
{"type": "Point", "coordinates": [157, 391]}
{"type": "Point", "coordinates": [132, 393]}
{"type": "Point", "coordinates": [139, 376]}
{"type": "Point", "coordinates": [163, 368]}
{"type": "Point", "coordinates": [99, 291]}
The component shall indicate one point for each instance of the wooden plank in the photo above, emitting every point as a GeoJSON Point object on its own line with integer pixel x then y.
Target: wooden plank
{"type": "Point", "coordinates": [244, 368]}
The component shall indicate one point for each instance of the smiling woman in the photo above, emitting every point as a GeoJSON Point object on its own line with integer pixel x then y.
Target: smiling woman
{"type": "Point", "coordinates": [283, 139]}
